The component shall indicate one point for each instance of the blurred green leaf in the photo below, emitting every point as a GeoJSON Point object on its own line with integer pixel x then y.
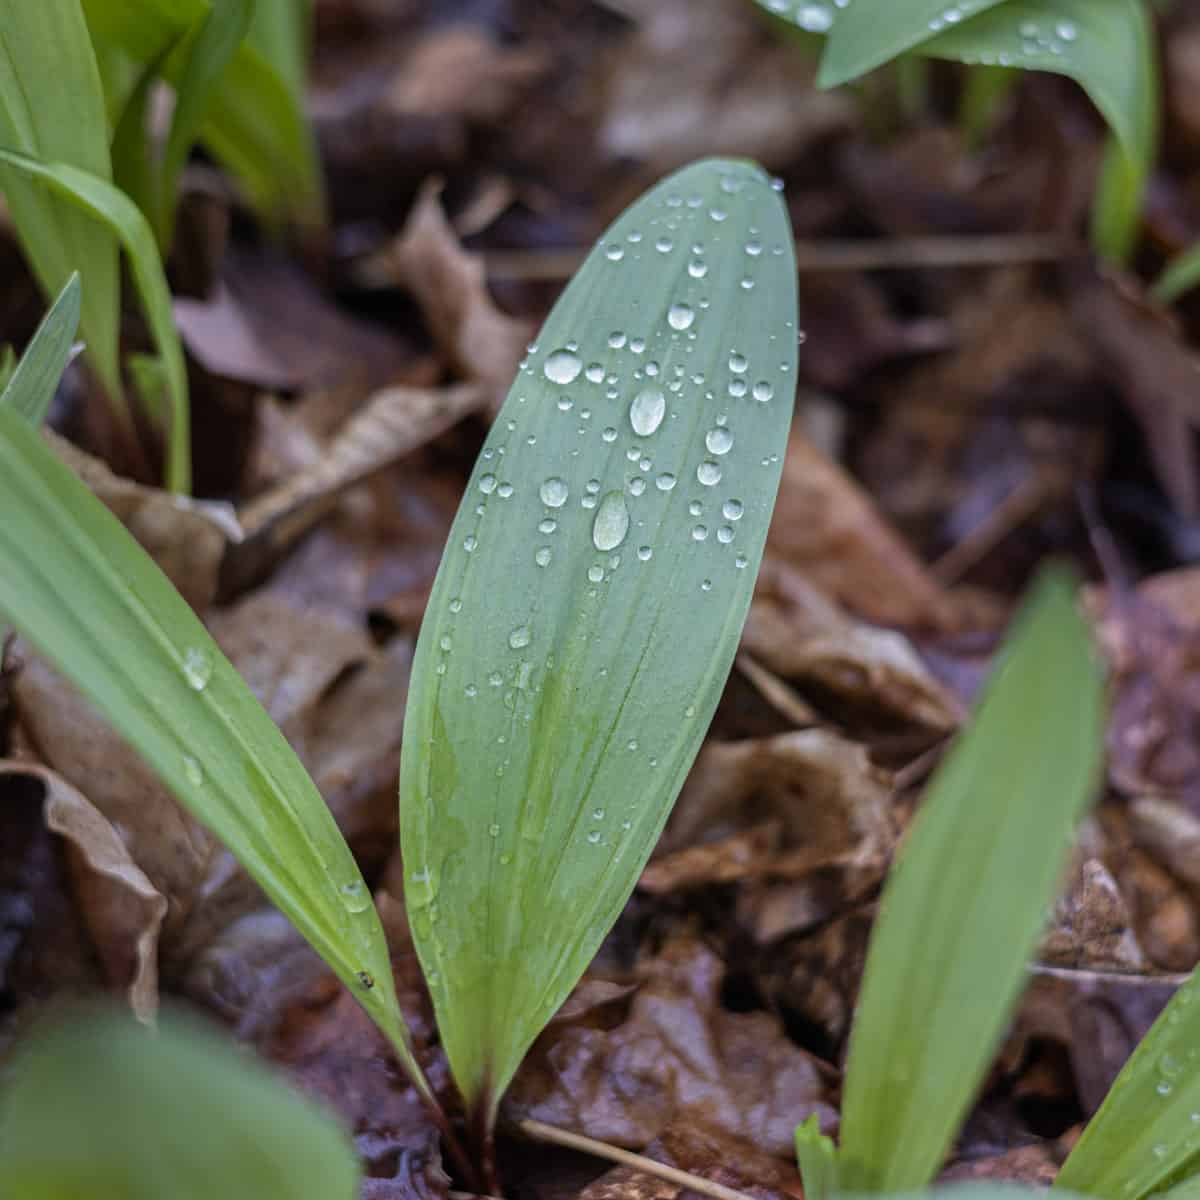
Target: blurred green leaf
{"type": "Point", "coordinates": [102, 1108]}
{"type": "Point", "coordinates": [33, 383]}
{"type": "Point", "coordinates": [110, 207]}
{"type": "Point", "coordinates": [282, 33]}
{"type": "Point", "coordinates": [1179, 276]}
{"type": "Point", "coordinates": [816, 1156]}
{"type": "Point", "coordinates": [86, 595]}
{"type": "Point", "coordinates": [966, 901]}
{"type": "Point", "coordinates": [253, 123]}
{"type": "Point", "coordinates": [589, 604]}
{"type": "Point", "coordinates": [52, 109]}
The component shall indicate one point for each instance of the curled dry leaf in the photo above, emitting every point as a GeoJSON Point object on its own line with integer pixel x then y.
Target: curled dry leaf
{"type": "Point", "coordinates": [677, 1057]}
{"type": "Point", "coordinates": [803, 636]}
{"type": "Point", "coordinates": [827, 526]}
{"type": "Point", "coordinates": [121, 908]}
{"type": "Point", "coordinates": [1091, 926]}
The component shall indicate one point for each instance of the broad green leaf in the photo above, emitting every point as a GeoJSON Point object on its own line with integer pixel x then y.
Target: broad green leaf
{"type": "Point", "coordinates": [110, 207]}
{"type": "Point", "coordinates": [964, 905]}
{"type": "Point", "coordinates": [253, 124]}
{"type": "Point", "coordinates": [52, 109]}
{"type": "Point", "coordinates": [86, 595]}
{"type": "Point", "coordinates": [1146, 1135]}
{"type": "Point", "coordinates": [32, 385]}
{"type": "Point", "coordinates": [103, 1108]}
{"type": "Point", "coordinates": [589, 603]}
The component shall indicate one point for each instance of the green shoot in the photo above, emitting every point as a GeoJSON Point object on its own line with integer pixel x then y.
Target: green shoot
{"type": "Point", "coordinates": [30, 389]}
{"type": "Point", "coordinates": [1179, 276]}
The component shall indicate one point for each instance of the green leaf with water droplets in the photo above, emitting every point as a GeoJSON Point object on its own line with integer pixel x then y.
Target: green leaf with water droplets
{"type": "Point", "coordinates": [89, 598]}
{"type": "Point", "coordinates": [967, 898]}
{"type": "Point", "coordinates": [1146, 1135]}
{"type": "Point", "coordinates": [589, 604]}
{"type": "Point", "coordinates": [102, 1108]}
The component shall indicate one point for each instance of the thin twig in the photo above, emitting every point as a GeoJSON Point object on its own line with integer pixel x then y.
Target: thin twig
{"type": "Point", "coordinates": [860, 254]}
{"type": "Point", "coordinates": [576, 1141]}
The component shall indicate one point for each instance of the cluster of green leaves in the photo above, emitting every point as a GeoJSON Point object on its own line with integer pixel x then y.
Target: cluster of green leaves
{"type": "Point", "coordinates": [81, 187]}
{"type": "Point", "coordinates": [1107, 46]}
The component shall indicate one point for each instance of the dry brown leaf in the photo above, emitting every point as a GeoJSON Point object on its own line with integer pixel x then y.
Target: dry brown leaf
{"type": "Point", "coordinates": [1035, 1165]}
{"type": "Point", "coordinates": [1091, 926]}
{"type": "Point", "coordinates": [678, 1057]}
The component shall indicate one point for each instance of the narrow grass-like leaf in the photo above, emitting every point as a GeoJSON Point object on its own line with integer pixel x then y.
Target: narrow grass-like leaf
{"type": "Point", "coordinates": [282, 33]}
{"type": "Point", "coordinates": [816, 1155]}
{"type": "Point", "coordinates": [965, 902]}
{"type": "Point", "coordinates": [1178, 277]}
{"type": "Point", "coordinates": [52, 108]}
{"type": "Point", "coordinates": [1146, 1135]}
{"type": "Point", "coordinates": [106, 1109]}
{"type": "Point", "coordinates": [32, 385]}
{"type": "Point", "coordinates": [87, 596]}
{"type": "Point", "coordinates": [253, 124]}
{"type": "Point", "coordinates": [109, 206]}
{"type": "Point", "coordinates": [589, 604]}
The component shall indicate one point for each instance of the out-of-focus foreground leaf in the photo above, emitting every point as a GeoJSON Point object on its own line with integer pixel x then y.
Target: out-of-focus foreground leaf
{"type": "Point", "coordinates": [108, 207]}
{"type": "Point", "coordinates": [86, 595]}
{"type": "Point", "coordinates": [589, 604]}
{"type": "Point", "coordinates": [33, 383]}
{"type": "Point", "coordinates": [103, 1108]}
{"type": "Point", "coordinates": [52, 109]}
{"type": "Point", "coordinates": [966, 900]}
{"type": "Point", "coordinates": [282, 33]}
{"type": "Point", "coordinates": [253, 123]}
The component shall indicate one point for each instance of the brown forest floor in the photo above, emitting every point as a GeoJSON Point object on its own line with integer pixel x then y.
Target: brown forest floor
{"type": "Point", "coordinates": [954, 425]}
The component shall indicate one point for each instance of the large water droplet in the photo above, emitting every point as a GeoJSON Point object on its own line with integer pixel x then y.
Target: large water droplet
{"type": "Point", "coordinates": [611, 523]}
{"type": "Point", "coordinates": [737, 362]}
{"type": "Point", "coordinates": [520, 637]}
{"type": "Point", "coordinates": [192, 770]}
{"type": "Point", "coordinates": [708, 473]}
{"type": "Point", "coordinates": [732, 509]}
{"type": "Point", "coordinates": [562, 366]}
{"type": "Point", "coordinates": [646, 411]}
{"type": "Point", "coordinates": [542, 556]}
{"type": "Point", "coordinates": [719, 440]}
{"type": "Point", "coordinates": [763, 391]}
{"type": "Point", "coordinates": [665, 482]}
{"type": "Point", "coordinates": [680, 316]}
{"type": "Point", "coordinates": [355, 897]}
{"type": "Point", "coordinates": [197, 669]}
{"type": "Point", "coordinates": [487, 484]}
{"type": "Point", "coordinates": [553, 492]}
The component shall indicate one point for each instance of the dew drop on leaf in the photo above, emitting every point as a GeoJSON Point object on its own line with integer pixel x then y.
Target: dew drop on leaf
{"type": "Point", "coordinates": [646, 411]}
{"type": "Point", "coordinates": [708, 473]}
{"type": "Point", "coordinates": [355, 897]}
{"type": "Point", "coordinates": [553, 492]}
{"type": "Point", "coordinates": [520, 637]}
{"type": "Point", "coordinates": [197, 669]}
{"type": "Point", "coordinates": [562, 366]}
{"type": "Point", "coordinates": [680, 316]}
{"type": "Point", "coordinates": [611, 522]}
{"type": "Point", "coordinates": [719, 440]}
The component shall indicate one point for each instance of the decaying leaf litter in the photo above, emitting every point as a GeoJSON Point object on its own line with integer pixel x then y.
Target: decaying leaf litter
{"type": "Point", "coordinates": [954, 426]}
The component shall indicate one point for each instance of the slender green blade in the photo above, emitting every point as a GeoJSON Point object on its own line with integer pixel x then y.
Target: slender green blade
{"type": "Point", "coordinates": [33, 383]}
{"type": "Point", "coordinates": [109, 206]}
{"type": "Point", "coordinates": [254, 122]}
{"type": "Point", "coordinates": [106, 1109]}
{"type": "Point", "coordinates": [52, 108]}
{"type": "Point", "coordinates": [1178, 277]}
{"type": "Point", "coordinates": [965, 903]}
{"type": "Point", "coordinates": [1146, 1135]}
{"type": "Point", "coordinates": [282, 34]}
{"type": "Point", "coordinates": [86, 595]}
{"type": "Point", "coordinates": [589, 603]}
{"type": "Point", "coordinates": [816, 1155]}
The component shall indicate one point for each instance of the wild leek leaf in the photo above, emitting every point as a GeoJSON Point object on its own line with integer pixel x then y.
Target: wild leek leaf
{"type": "Point", "coordinates": [86, 595]}
{"type": "Point", "coordinates": [35, 379]}
{"type": "Point", "coordinates": [106, 1109]}
{"type": "Point", "coordinates": [966, 900]}
{"type": "Point", "coordinates": [589, 603]}
{"type": "Point", "coordinates": [52, 109]}
{"type": "Point", "coordinates": [253, 124]}
{"type": "Point", "coordinates": [282, 33]}
{"type": "Point", "coordinates": [1146, 1135]}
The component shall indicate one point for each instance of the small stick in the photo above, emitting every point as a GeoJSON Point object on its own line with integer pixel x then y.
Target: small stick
{"type": "Point", "coordinates": [576, 1141]}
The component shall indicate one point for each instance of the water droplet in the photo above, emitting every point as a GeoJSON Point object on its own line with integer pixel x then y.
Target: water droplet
{"type": "Point", "coordinates": [455, 605]}
{"type": "Point", "coordinates": [493, 830]}
{"type": "Point", "coordinates": [553, 492]}
{"type": "Point", "coordinates": [708, 473]}
{"type": "Point", "coordinates": [763, 391]}
{"type": "Point", "coordinates": [197, 669]}
{"type": "Point", "coordinates": [471, 691]}
{"type": "Point", "coordinates": [594, 373]}
{"type": "Point", "coordinates": [665, 482]}
{"type": "Point", "coordinates": [565, 404]}
{"type": "Point", "coordinates": [519, 638]}
{"type": "Point", "coordinates": [706, 585]}
{"type": "Point", "coordinates": [595, 573]}
{"type": "Point", "coordinates": [754, 248]}
{"type": "Point", "coordinates": [504, 491]}
{"type": "Point", "coordinates": [680, 316]}
{"type": "Point", "coordinates": [699, 533]}
{"type": "Point", "coordinates": [562, 366]}
{"type": "Point", "coordinates": [717, 214]}
{"type": "Point", "coordinates": [611, 523]}
{"type": "Point", "coordinates": [613, 252]}
{"type": "Point", "coordinates": [1160, 1150]}
{"type": "Point", "coordinates": [646, 411]}
{"type": "Point", "coordinates": [610, 434]}
{"type": "Point", "coordinates": [697, 268]}
{"type": "Point", "coordinates": [637, 344]}
{"type": "Point", "coordinates": [594, 837]}
{"type": "Point", "coordinates": [645, 553]}
{"type": "Point", "coordinates": [695, 507]}
{"type": "Point", "coordinates": [737, 362]}
{"type": "Point", "coordinates": [737, 388]}
{"type": "Point", "coordinates": [192, 771]}
{"type": "Point", "coordinates": [719, 440]}
{"type": "Point", "coordinates": [470, 542]}
{"type": "Point", "coordinates": [445, 643]}
{"type": "Point", "coordinates": [690, 711]}
{"type": "Point", "coordinates": [495, 679]}
{"type": "Point", "coordinates": [542, 556]}
{"type": "Point", "coordinates": [732, 509]}
{"type": "Point", "coordinates": [487, 484]}
{"type": "Point", "coordinates": [355, 896]}
{"type": "Point", "coordinates": [740, 562]}
{"type": "Point", "coordinates": [547, 525]}
{"type": "Point", "coordinates": [616, 340]}
{"type": "Point", "coordinates": [725, 535]}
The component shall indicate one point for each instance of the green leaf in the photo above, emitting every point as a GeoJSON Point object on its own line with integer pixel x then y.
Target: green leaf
{"type": "Point", "coordinates": [110, 206]}
{"type": "Point", "coordinates": [52, 109]}
{"type": "Point", "coordinates": [964, 905]}
{"type": "Point", "coordinates": [817, 1158]}
{"type": "Point", "coordinates": [1179, 276]}
{"type": "Point", "coordinates": [589, 604]}
{"type": "Point", "coordinates": [103, 1108]}
{"type": "Point", "coordinates": [32, 385]}
{"type": "Point", "coordinates": [282, 34]}
{"type": "Point", "coordinates": [254, 122]}
{"type": "Point", "coordinates": [86, 595]}
{"type": "Point", "coordinates": [1146, 1135]}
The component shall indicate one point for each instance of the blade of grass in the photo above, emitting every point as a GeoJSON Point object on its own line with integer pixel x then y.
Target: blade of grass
{"type": "Point", "coordinates": [1179, 276]}
{"type": "Point", "coordinates": [86, 595]}
{"type": "Point", "coordinates": [102, 1108]}
{"type": "Point", "coordinates": [32, 385]}
{"type": "Point", "coordinates": [52, 108]}
{"type": "Point", "coordinates": [965, 902]}
{"type": "Point", "coordinates": [589, 604]}
{"type": "Point", "coordinates": [109, 206]}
